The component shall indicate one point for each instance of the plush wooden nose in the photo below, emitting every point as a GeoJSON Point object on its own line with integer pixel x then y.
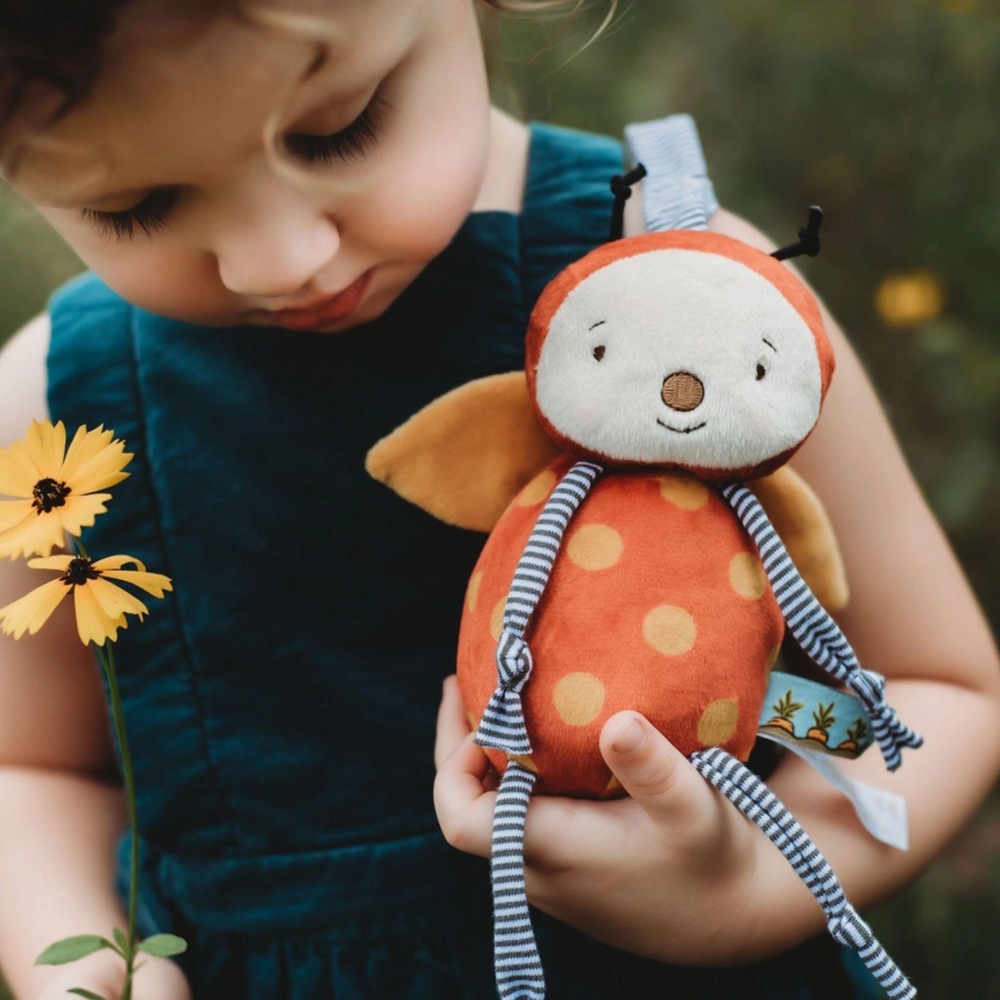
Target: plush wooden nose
{"type": "Point", "coordinates": [682, 391]}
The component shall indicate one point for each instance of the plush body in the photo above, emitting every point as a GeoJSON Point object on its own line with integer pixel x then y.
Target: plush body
{"type": "Point", "coordinates": [657, 602]}
{"type": "Point", "coordinates": [630, 574]}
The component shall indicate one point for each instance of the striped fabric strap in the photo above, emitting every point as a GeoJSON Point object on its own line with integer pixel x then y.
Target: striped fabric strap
{"type": "Point", "coordinates": [758, 803]}
{"type": "Point", "coordinates": [502, 725]}
{"type": "Point", "coordinates": [519, 974]}
{"type": "Point", "coordinates": [676, 193]}
{"type": "Point", "coordinates": [816, 632]}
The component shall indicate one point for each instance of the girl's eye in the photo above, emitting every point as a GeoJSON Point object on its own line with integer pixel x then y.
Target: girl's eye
{"type": "Point", "coordinates": [150, 215]}
{"type": "Point", "coordinates": [355, 140]}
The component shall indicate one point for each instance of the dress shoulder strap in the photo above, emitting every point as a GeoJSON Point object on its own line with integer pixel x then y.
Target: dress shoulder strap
{"type": "Point", "coordinates": [676, 192]}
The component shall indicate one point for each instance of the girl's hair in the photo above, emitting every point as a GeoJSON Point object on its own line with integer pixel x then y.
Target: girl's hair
{"type": "Point", "coordinates": [54, 48]}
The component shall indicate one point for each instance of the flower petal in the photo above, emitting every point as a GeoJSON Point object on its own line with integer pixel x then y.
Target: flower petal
{"type": "Point", "coordinates": [153, 583]}
{"type": "Point", "coordinates": [33, 536]}
{"type": "Point", "coordinates": [46, 445]}
{"type": "Point", "coordinates": [94, 461]}
{"type": "Point", "coordinates": [81, 511]}
{"type": "Point", "coordinates": [18, 474]}
{"type": "Point", "coordinates": [116, 562]}
{"type": "Point", "coordinates": [32, 611]}
{"type": "Point", "coordinates": [92, 624]}
{"type": "Point", "coordinates": [13, 512]}
{"type": "Point", "coordinates": [60, 563]}
{"type": "Point", "coordinates": [114, 601]}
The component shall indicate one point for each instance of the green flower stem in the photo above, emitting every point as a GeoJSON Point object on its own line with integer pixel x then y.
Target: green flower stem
{"type": "Point", "coordinates": [107, 658]}
{"type": "Point", "coordinates": [106, 655]}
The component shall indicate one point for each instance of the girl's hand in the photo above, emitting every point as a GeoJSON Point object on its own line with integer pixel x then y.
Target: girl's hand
{"type": "Point", "coordinates": [104, 974]}
{"type": "Point", "coordinates": [670, 872]}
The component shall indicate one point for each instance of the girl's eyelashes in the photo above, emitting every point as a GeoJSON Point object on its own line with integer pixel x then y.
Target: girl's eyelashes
{"type": "Point", "coordinates": [150, 215]}
{"type": "Point", "coordinates": [351, 142]}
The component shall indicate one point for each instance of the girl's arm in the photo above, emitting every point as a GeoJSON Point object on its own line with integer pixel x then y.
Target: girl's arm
{"type": "Point", "coordinates": [674, 872]}
{"type": "Point", "coordinates": [61, 809]}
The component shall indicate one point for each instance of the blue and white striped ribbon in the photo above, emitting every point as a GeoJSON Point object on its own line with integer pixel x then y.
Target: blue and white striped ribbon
{"type": "Point", "coordinates": [758, 803]}
{"type": "Point", "coordinates": [517, 965]}
{"type": "Point", "coordinates": [676, 193]}
{"type": "Point", "coordinates": [519, 973]}
{"type": "Point", "coordinates": [816, 632]}
{"type": "Point", "coordinates": [502, 725]}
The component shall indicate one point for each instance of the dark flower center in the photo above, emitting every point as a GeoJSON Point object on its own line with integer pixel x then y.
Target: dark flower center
{"type": "Point", "coordinates": [79, 572]}
{"type": "Point", "coordinates": [48, 495]}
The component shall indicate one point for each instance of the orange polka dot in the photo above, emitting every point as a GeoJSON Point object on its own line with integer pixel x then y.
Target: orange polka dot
{"type": "Point", "coordinates": [578, 698]}
{"type": "Point", "coordinates": [595, 546]}
{"type": "Point", "coordinates": [718, 722]}
{"type": "Point", "coordinates": [685, 492]}
{"type": "Point", "coordinates": [772, 660]}
{"type": "Point", "coordinates": [669, 630]}
{"type": "Point", "coordinates": [496, 618]}
{"type": "Point", "coordinates": [525, 761]}
{"type": "Point", "coordinates": [472, 594]}
{"type": "Point", "coordinates": [538, 490]}
{"type": "Point", "coordinates": [747, 576]}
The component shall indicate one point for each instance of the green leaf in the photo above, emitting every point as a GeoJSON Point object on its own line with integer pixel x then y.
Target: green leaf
{"type": "Point", "coordinates": [81, 992]}
{"type": "Point", "coordinates": [121, 939]}
{"type": "Point", "coordinates": [163, 945]}
{"type": "Point", "coordinates": [72, 948]}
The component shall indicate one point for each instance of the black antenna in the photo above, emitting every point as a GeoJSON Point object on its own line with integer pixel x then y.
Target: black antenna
{"type": "Point", "coordinates": [808, 238]}
{"type": "Point", "coordinates": [621, 188]}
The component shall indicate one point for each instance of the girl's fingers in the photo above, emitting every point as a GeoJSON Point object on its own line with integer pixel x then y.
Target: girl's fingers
{"type": "Point", "coordinates": [560, 832]}
{"type": "Point", "coordinates": [452, 723]}
{"type": "Point", "coordinates": [464, 807]}
{"type": "Point", "coordinates": [658, 777]}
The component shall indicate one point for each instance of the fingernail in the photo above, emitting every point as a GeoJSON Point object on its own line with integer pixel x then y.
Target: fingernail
{"type": "Point", "coordinates": [630, 737]}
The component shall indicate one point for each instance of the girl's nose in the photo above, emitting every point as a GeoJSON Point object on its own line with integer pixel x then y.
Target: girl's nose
{"type": "Point", "coordinates": [270, 235]}
{"type": "Point", "coordinates": [273, 256]}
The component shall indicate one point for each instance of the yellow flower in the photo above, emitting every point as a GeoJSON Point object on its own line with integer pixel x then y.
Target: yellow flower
{"type": "Point", "coordinates": [101, 606]}
{"type": "Point", "coordinates": [56, 488]}
{"type": "Point", "coordinates": [909, 299]}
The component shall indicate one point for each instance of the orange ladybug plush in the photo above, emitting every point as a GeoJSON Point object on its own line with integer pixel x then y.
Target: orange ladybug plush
{"type": "Point", "coordinates": [647, 566]}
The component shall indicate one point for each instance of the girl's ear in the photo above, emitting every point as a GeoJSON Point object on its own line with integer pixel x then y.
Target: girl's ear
{"type": "Point", "coordinates": [802, 524]}
{"type": "Point", "coordinates": [465, 456]}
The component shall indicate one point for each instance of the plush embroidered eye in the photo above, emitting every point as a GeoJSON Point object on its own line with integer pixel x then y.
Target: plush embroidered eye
{"type": "Point", "coordinates": [761, 372]}
{"type": "Point", "coordinates": [599, 352]}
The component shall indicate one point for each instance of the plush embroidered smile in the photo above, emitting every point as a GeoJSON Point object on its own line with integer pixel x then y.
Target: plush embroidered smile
{"type": "Point", "coordinates": [682, 430]}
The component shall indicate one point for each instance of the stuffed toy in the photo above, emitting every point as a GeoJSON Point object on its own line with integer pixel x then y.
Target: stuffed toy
{"type": "Point", "coordinates": [631, 562]}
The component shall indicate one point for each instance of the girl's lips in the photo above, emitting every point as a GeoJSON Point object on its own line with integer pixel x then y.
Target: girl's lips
{"type": "Point", "coordinates": [327, 312]}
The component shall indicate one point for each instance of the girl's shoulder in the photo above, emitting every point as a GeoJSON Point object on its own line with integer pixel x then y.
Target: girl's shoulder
{"type": "Point", "coordinates": [23, 378]}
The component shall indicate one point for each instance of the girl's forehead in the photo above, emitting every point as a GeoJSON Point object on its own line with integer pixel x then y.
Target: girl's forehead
{"type": "Point", "coordinates": [180, 90]}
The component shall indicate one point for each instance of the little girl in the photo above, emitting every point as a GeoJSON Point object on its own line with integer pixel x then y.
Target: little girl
{"type": "Point", "coordinates": [304, 222]}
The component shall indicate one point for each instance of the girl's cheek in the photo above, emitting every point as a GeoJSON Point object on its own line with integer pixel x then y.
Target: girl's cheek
{"type": "Point", "coordinates": [435, 157]}
{"type": "Point", "coordinates": [421, 201]}
{"type": "Point", "coordinates": [169, 281]}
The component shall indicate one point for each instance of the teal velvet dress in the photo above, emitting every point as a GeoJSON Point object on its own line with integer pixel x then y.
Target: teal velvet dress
{"type": "Point", "coordinates": [281, 701]}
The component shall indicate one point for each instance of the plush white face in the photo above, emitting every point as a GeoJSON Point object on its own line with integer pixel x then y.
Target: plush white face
{"type": "Point", "coordinates": [679, 357]}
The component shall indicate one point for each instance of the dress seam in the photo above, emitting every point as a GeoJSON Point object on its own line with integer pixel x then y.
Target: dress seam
{"type": "Point", "coordinates": [161, 540]}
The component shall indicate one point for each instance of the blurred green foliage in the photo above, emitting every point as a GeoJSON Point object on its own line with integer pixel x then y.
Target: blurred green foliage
{"type": "Point", "coordinates": [886, 113]}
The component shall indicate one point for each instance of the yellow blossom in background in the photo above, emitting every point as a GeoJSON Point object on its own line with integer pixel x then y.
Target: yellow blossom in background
{"type": "Point", "coordinates": [909, 299]}
{"type": "Point", "coordinates": [56, 488]}
{"type": "Point", "coordinates": [960, 6]}
{"type": "Point", "coordinates": [101, 606]}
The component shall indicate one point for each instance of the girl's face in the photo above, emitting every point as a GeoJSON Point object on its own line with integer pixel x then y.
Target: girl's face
{"type": "Point", "coordinates": [161, 182]}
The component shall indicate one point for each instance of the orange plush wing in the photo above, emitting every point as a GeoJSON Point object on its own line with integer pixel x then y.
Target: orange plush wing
{"type": "Point", "coordinates": [800, 520]}
{"type": "Point", "coordinates": [465, 456]}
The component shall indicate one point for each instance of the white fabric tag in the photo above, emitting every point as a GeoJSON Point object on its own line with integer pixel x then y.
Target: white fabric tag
{"type": "Point", "coordinates": [882, 813]}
